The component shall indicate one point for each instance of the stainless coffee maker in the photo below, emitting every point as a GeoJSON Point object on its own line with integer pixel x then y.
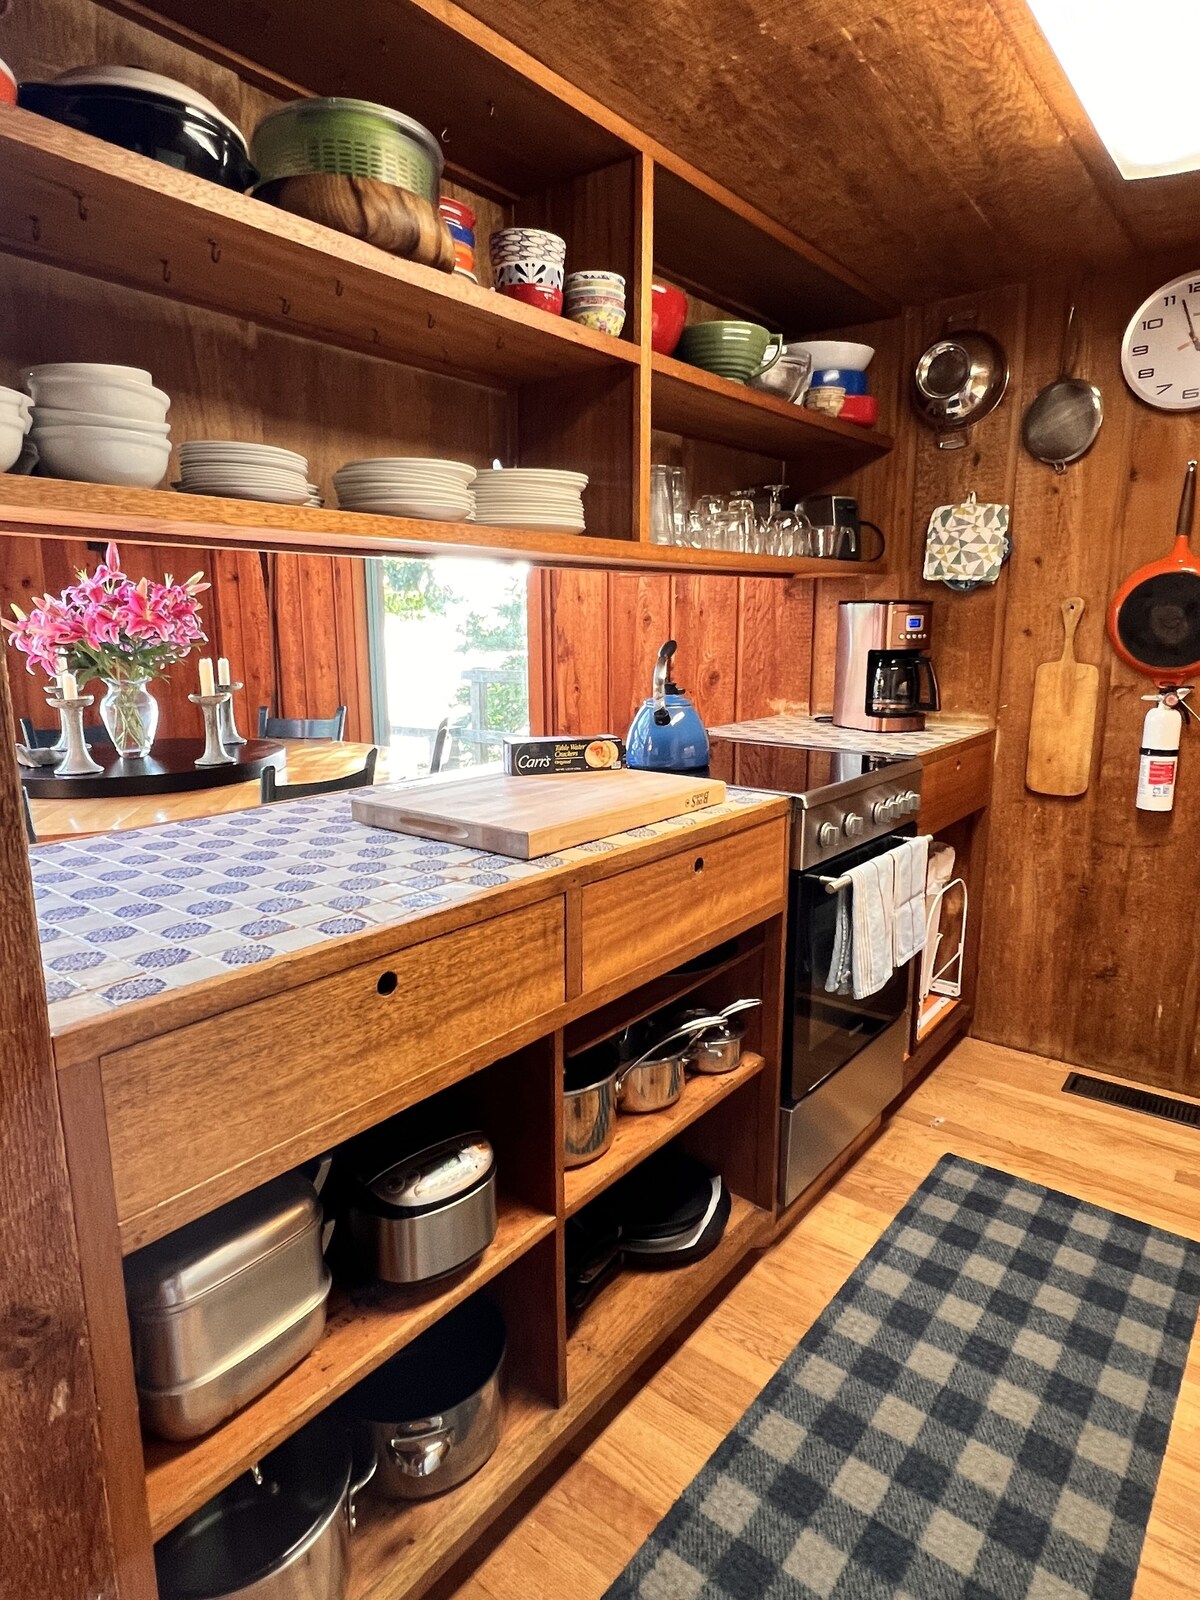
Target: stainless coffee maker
{"type": "Point", "coordinates": [884, 681]}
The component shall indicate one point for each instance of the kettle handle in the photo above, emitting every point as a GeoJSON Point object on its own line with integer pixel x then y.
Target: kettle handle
{"type": "Point", "coordinates": [661, 668]}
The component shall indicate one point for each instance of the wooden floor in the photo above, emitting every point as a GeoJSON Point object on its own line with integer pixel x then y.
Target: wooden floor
{"type": "Point", "coordinates": [984, 1102]}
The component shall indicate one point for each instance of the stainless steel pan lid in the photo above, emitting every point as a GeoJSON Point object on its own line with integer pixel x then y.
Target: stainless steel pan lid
{"type": "Point", "coordinates": [435, 1176]}
{"type": "Point", "coordinates": [262, 1520]}
{"type": "Point", "coordinates": [177, 1270]}
{"type": "Point", "coordinates": [957, 381]}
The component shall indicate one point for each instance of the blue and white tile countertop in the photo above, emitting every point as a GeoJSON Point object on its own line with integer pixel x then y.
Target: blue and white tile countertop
{"type": "Point", "coordinates": [129, 916]}
{"type": "Point", "coordinates": [797, 728]}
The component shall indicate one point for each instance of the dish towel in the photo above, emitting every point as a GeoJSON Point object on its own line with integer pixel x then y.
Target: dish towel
{"type": "Point", "coordinates": [872, 897]}
{"type": "Point", "coordinates": [910, 862]}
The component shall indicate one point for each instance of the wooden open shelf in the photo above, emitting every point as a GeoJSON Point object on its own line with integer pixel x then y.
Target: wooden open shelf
{"type": "Point", "coordinates": [401, 1550]}
{"type": "Point", "coordinates": [363, 1330]}
{"type": "Point", "coordinates": [77, 202]}
{"type": "Point", "coordinates": [52, 508]}
{"type": "Point", "coordinates": [638, 1137]}
{"type": "Point", "coordinates": [699, 404]}
{"type": "Point", "coordinates": [659, 993]}
{"type": "Point", "coordinates": [638, 1309]}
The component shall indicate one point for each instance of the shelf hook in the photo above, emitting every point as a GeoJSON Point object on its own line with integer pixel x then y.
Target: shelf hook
{"type": "Point", "coordinates": [339, 288]}
{"type": "Point", "coordinates": [166, 269]}
{"type": "Point", "coordinates": [214, 250]}
{"type": "Point", "coordinates": [35, 228]}
{"type": "Point", "coordinates": [432, 320]}
{"type": "Point", "coordinates": [285, 306]}
{"type": "Point", "coordinates": [81, 205]}
{"type": "Point", "coordinates": [445, 134]}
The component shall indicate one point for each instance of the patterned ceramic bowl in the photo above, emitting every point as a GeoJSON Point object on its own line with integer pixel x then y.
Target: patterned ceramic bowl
{"type": "Point", "coordinates": [526, 244]}
{"type": "Point", "coordinates": [547, 274]}
{"type": "Point", "coordinates": [596, 280]}
{"type": "Point", "coordinates": [604, 319]}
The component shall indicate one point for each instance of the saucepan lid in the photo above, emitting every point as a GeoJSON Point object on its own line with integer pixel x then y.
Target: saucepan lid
{"type": "Point", "coordinates": [1154, 618]}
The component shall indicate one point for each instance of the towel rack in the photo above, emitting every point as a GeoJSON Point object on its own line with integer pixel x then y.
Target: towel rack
{"type": "Point", "coordinates": [832, 885]}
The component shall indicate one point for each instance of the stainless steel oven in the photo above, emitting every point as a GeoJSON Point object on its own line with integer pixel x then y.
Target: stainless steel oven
{"type": "Point", "coordinates": [843, 1059]}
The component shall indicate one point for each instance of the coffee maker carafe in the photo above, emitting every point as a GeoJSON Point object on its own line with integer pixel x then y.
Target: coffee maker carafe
{"type": "Point", "coordinates": [884, 681]}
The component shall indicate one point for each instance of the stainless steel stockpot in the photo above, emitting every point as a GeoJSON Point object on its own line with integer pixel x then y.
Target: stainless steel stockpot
{"type": "Point", "coordinates": [433, 1413]}
{"type": "Point", "coordinates": [279, 1532]}
{"type": "Point", "coordinates": [589, 1107]}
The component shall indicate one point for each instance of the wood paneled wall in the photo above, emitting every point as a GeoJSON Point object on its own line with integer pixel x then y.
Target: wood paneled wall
{"type": "Point", "coordinates": [1087, 946]}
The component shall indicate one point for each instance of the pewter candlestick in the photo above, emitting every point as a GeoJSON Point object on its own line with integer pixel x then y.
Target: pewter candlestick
{"type": "Point", "coordinates": [229, 733]}
{"type": "Point", "coordinates": [215, 753]}
{"type": "Point", "coordinates": [77, 761]}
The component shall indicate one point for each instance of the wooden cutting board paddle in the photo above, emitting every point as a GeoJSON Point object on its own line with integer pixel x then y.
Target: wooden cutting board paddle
{"type": "Point", "coordinates": [1063, 719]}
{"type": "Point", "coordinates": [528, 817]}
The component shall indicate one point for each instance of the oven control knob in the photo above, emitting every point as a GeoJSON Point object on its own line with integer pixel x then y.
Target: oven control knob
{"type": "Point", "coordinates": [883, 811]}
{"type": "Point", "coordinates": [910, 803]}
{"type": "Point", "coordinates": [828, 833]}
{"type": "Point", "coordinates": [853, 825]}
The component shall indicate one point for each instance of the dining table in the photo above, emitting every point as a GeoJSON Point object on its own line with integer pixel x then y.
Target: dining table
{"type": "Point", "coordinates": [304, 761]}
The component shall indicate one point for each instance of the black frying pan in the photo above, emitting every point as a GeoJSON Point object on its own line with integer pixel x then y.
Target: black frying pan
{"type": "Point", "coordinates": [1154, 617]}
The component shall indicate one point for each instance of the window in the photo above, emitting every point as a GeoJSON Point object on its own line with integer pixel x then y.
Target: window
{"type": "Point", "coordinates": [449, 644]}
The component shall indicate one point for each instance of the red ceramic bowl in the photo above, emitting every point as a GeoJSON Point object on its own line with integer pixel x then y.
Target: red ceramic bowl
{"type": "Point", "coordinates": [534, 294]}
{"type": "Point", "coordinates": [456, 211]}
{"type": "Point", "coordinates": [860, 408]}
{"type": "Point", "coordinates": [8, 84]}
{"type": "Point", "coordinates": [668, 313]}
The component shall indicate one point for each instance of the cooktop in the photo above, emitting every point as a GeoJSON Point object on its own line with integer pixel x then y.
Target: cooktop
{"type": "Point", "coordinates": [843, 798]}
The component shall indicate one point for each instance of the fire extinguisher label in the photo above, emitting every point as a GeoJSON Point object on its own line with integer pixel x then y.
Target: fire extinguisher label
{"type": "Point", "coordinates": [1160, 772]}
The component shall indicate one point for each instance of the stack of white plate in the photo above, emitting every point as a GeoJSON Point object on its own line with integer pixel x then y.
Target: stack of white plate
{"type": "Point", "coordinates": [407, 486]}
{"type": "Point", "coordinates": [239, 471]}
{"type": "Point", "coordinates": [530, 497]}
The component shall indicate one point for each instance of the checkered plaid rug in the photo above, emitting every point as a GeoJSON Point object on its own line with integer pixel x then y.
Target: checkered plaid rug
{"type": "Point", "coordinates": [980, 1414]}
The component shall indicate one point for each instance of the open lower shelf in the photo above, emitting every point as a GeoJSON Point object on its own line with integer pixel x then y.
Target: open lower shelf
{"type": "Point", "coordinates": [53, 508]}
{"type": "Point", "coordinates": [79, 203]}
{"type": "Point", "coordinates": [935, 1009]}
{"type": "Point", "coordinates": [638, 1136]}
{"type": "Point", "coordinates": [400, 1550]}
{"type": "Point", "coordinates": [654, 996]}
{"type": "Point", "coordinates": [700, 405]}
{"type": "Point", "coordinates": [363, 1330]}
{"type": "Point", "coordinates": [634, 1312]}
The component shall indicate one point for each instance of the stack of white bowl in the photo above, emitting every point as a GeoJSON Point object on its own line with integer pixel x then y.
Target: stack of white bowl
{"type": "Point", "coordinates": [98, 423]}
{"type": "Point", "coordinates": [530, 497]}
{"type": "Point", "coordinates": [242, 471]}
{"type": "Point", "coordinates": [408, 486]}
{"type": "Point", "coordinates": [16, 412]}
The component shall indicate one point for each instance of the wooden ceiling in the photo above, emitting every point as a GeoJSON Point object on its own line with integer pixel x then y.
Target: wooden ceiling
{"type": "Point", "coordinates": [933, 145]}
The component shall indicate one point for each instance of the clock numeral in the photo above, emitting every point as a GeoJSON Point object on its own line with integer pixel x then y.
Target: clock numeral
{"type": "Point", "coordinates": [1191, 394]}
{"type": "Point", "coordinates": [1161, 388]}
{"type": "Point", "coordinates": [1194, 288]}
{"type": "Point", "coordinates": [1152, 322]}
{"type": "Point", "coordinates": [1168, 299]}
{"type": "Point", "coordinates": [1140, 350]}
{"type": "Point", "coordinates": [1146, 372]}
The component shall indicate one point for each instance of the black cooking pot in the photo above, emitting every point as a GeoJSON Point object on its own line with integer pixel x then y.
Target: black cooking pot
{"type": "Point", "coordinates": [281, 1532]}
{"type": "Point", "coordinates": [433, 1413]}
{"type": "Point", "coordinates": [178, 135]}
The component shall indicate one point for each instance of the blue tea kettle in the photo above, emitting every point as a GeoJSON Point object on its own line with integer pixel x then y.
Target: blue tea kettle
{"type": "Point", "coordinates": [666, 734]}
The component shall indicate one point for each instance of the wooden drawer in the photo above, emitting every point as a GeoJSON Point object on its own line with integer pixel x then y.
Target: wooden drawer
{"type": "Point", "coordinates": [205, 1113]}
{"type": "Point", "coordinates": [649, 913]}
{"type": "Point", "coordinates": [955, 784]}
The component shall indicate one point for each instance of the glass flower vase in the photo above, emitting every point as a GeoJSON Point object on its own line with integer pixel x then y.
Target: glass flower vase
{"type": "Point", "coordinates": [129, 713]}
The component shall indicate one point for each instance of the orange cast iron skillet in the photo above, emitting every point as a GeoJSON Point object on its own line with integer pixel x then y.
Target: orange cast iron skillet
{"type": "Point", "coordinates": [1154, 617]}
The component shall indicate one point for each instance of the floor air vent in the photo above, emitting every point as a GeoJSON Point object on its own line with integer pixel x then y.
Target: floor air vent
{"type": "Point", "coordinates": [1120, 1094]}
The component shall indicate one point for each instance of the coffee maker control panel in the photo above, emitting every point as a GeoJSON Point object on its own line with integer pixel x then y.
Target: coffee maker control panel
{"type": "Point", "coordinates": [907, 626]}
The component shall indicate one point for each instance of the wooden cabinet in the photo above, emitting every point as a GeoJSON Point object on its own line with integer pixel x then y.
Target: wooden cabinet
{"type": "Point", "coordinates": [955, 782]}
{"type": "Point", "coordinates": [641, 916]}
{"type": "Point", "coordinates": [206, 1112]}
{"type": "Point", "coordinates": [475, 1024]}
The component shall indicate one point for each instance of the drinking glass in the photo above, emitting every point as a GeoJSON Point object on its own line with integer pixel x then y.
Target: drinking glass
{"type": "Point", "coordinates": [662, 519]}
{"type": "Point", "coordinates": [739, 532]}
{"type": "Point", "coordinates": [709, 513]}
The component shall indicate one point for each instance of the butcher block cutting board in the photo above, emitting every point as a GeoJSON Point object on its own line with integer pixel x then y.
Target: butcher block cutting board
{"type": "Point", "coordinates": [1063, 719]}
{"type": "Point", "coordinates": [528, 817]}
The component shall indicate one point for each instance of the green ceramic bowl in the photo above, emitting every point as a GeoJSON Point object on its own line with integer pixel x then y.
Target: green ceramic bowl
{"type": "Point", "coordinates": [734, 350]}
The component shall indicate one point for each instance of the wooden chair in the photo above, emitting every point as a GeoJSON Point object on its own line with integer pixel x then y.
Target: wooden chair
{"type": "Point", "coordinates": [270, 727]}
{"type": "Point", "coordinates": [30, 830]}
{"type": "Point", "coordinates": [42, 738]}
{"type": "Point", "coordinates": [270, 790]}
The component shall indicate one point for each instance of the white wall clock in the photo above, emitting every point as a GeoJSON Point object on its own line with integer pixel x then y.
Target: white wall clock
{"type": "Point", "coordinates": [1160, 353]}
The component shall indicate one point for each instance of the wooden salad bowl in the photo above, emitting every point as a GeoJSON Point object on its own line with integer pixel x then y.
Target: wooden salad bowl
{"type": "Point", "coordinates": [395, 219]}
